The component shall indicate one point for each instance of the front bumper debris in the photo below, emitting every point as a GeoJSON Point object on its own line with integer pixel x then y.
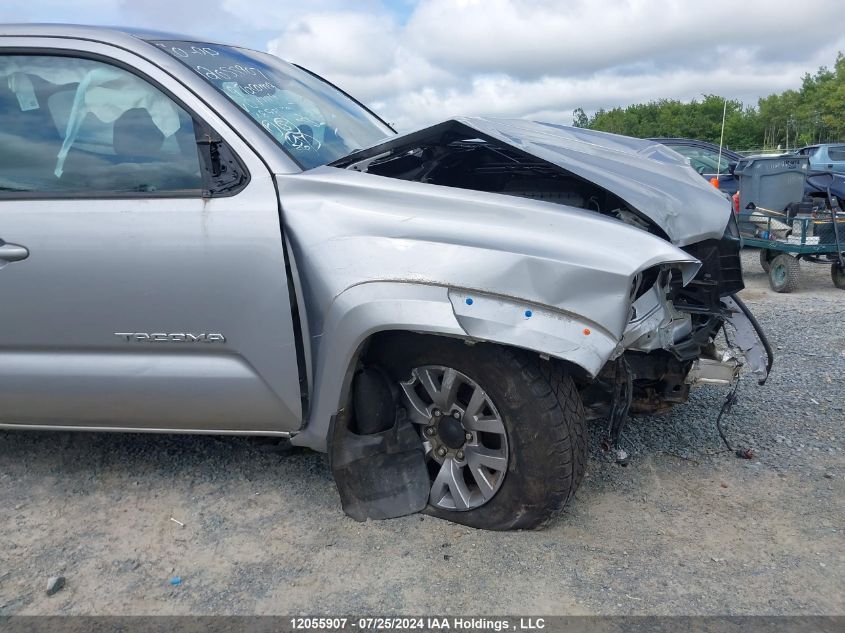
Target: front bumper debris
{"type": "Point", "coordinates": [709, 371]}
{"type": "Point", "coordinates": [749, 338]}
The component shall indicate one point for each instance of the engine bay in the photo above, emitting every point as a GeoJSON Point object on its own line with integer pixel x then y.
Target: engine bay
{"type": "Point", "coordinates": [454, 158]}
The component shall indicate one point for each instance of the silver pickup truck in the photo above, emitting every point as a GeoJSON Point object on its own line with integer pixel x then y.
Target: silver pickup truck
{"type": "Point", "coordinates": [200, 238]}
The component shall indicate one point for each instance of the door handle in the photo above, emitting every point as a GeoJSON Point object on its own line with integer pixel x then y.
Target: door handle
{"type": "Point", "coordinates": [12, 252]}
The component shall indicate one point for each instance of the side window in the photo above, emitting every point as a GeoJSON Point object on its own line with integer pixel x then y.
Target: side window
{"type": "Point", "coordinates": [704, 161]}
{"type": "Point", "coordinates": [70, 125]}
{"type": "Point", "coordinates": [836, 152]}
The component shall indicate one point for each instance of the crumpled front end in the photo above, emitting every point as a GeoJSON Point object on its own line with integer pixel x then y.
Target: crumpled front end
{"type": "Point", "coordinates": [670, 343]}
{"type": "Point", "coordinates": [693, 313]}
{"type": "Point", "coordinates": [673, 317]}
{"type": "Point", "coordinates": [518, 235]}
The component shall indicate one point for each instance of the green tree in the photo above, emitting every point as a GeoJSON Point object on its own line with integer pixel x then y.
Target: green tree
{"type": "Point", "coordinates": [579, 118]}
{"type": "Point", "coordinates": [812, 114]}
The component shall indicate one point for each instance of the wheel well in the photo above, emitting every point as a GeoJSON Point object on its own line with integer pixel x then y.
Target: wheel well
{"type": "Point", "coordinates": [372, 351]}
{"type": "Point", "coordinates": [369, 351]}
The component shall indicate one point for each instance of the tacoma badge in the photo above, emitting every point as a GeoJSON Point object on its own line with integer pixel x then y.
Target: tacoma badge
{"type": "Point", "coordinates": [175, 337]}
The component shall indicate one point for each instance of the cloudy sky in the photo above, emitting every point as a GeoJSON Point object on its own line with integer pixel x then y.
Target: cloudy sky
{"type": "Point", "coordinates": [420, 61]}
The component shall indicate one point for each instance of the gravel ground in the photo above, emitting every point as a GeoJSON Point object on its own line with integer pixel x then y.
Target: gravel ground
{"type": "Point", "coordinates": [687, 528]}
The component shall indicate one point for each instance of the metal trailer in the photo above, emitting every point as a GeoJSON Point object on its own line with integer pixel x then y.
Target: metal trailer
{"type": "Point", "coordinates": [775, 215]}
{"type": "Point", "coordinates": [784, 240]}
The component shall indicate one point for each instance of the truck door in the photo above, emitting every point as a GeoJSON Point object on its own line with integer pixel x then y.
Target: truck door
{"type": "Point", "coordinates": [142, 273]}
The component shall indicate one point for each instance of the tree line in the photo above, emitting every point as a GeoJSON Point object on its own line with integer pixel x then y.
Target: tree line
{"type": "Point", "coordinates": [815, 113]}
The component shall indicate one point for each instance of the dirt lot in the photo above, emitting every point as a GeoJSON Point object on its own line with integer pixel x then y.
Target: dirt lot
{"type": "Point", "coordinates": [687, 528]}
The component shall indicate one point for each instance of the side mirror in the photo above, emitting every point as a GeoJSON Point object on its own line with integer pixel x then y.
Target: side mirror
{"type": "Point", "coordinates": [731, 166]}
{"type": "Point", "coordinates": [222, 171]}
{"type": "Point", "coordinates": [209, 145]}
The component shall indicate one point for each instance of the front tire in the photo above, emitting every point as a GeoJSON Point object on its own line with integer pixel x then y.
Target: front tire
{"type": "Point", "coordinates": [521, 418]}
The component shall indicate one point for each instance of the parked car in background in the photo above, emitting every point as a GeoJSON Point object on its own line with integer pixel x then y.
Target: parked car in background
{"type": "Point", "coordinates": [705, 159]}
{"type": "Point", "coordinates": [825, 157]}
{"type": "Point", "coordinates": [818, 183]}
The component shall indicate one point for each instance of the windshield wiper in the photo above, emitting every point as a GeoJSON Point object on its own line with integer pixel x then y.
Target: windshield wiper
{"type": "Point", "coordinates": [345, 156]}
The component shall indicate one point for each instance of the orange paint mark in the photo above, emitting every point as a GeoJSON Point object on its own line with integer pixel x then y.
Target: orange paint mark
{"type": "Point", "coordinates": [586, 331]}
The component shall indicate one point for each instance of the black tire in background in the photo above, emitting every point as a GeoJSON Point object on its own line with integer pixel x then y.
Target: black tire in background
{"type": "Point", "coordinates": [542, 414]}
{"type": "Point", "coordinates": [784, 273]}
{"type": "Point", "coordinates": [837, 275]}
{"type": "Point", "coordinates": [765, 259]}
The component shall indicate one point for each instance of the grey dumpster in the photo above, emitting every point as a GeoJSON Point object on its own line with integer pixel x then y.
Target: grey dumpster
{"type": "Point", "coordinates": [769, 182]}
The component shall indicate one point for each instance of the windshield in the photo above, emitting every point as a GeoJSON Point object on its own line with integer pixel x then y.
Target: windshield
{"type": "Point", "coordinates": [314, 122]}
{"type": "Point", "coordinates": [704, 161]}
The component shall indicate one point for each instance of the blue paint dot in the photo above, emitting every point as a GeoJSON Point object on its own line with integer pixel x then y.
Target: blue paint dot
{"type": "Point", "coordinates": [176, 581]}
{"type": "Point", "coordinates": [469, 301]}
{"type": "Point", "coordinates": [528, 314]}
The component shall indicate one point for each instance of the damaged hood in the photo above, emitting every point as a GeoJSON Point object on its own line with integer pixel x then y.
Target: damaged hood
{"type": "Point", "coordinates": [368, 228]}
{"type": "Point", "coordinates": [651, 178]}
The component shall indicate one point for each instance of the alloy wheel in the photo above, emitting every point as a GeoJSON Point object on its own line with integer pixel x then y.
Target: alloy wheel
{"type": "Point", "coordinates": [462, 432]}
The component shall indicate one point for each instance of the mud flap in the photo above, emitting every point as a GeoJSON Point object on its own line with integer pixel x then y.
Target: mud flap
{"type": "Point", "coordinates": [380, 475]}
